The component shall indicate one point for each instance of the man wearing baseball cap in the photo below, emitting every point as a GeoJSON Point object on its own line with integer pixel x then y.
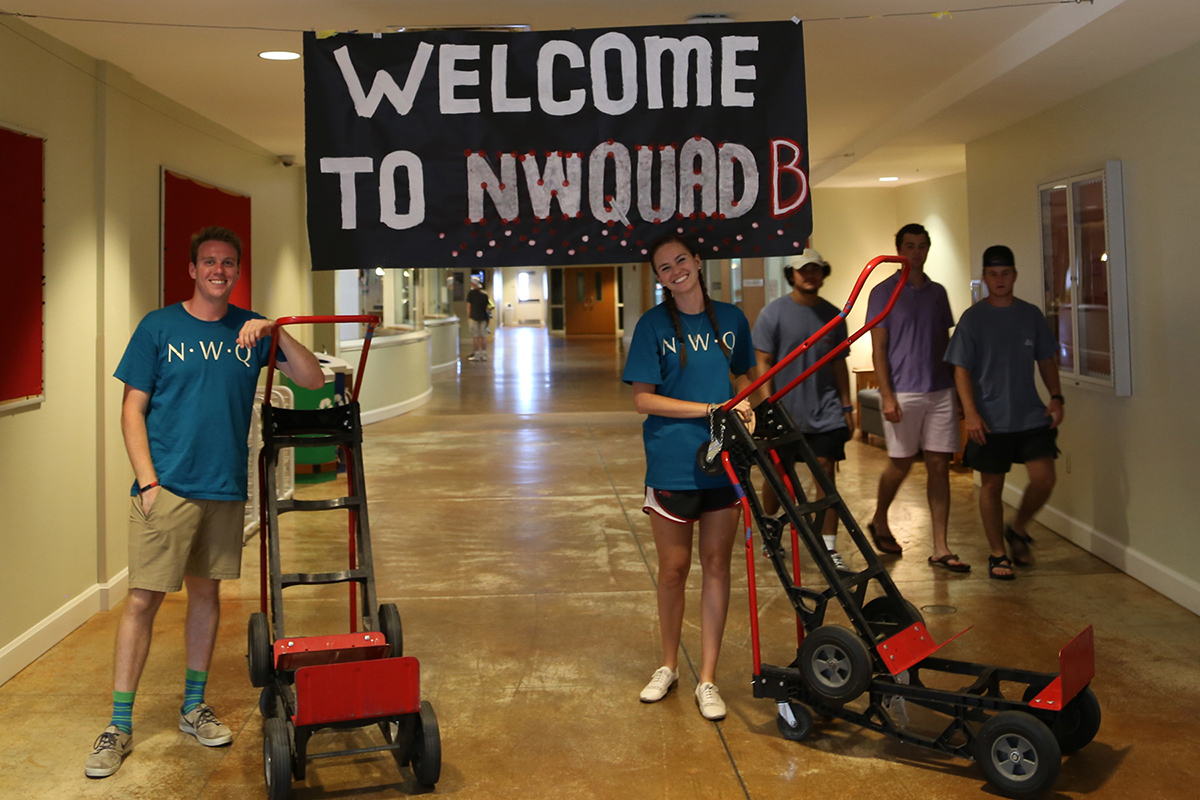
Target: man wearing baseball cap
{"type": "Point", "coordinates": [477, 319]}
{"type": "Point", "coordinates": [994, 349]}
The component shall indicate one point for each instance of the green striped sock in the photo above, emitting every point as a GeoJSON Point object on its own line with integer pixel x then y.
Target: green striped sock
{"type": "Point", "coordinates": [193, 689]}
{"type": "Point", "coordinates": [123, 711]}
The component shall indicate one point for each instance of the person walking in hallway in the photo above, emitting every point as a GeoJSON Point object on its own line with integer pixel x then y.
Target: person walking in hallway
{"type": "Point", "coordinates": [916, 388]}
{"type": "Point", "coordinates": [477, 319]}
{"type": "Point", "coordinates": [682, 357]}
{"type": "Point", "coordinates": [994, 350]}
{"type": "Point", "coordinates": [190, 372]}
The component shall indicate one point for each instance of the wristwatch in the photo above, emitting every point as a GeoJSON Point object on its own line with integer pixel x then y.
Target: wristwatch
{"type": "Point", "coordinates": [1059, 398]}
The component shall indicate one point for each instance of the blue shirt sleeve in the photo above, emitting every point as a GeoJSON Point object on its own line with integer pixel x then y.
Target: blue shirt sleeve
{"type": "Point", "coordinates": [642, 364]}
{"type": "Point", "coordinates": [138, 365]}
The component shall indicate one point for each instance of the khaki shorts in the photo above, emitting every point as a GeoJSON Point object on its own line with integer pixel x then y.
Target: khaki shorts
{"type": "Point", "coordinates": [478, 327]}
{"type": "Point", "coordinates": [201, 538]}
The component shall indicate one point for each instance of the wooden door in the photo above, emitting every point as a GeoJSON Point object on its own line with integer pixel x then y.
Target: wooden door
{"type": "Point", "coordinates": [590, 295]}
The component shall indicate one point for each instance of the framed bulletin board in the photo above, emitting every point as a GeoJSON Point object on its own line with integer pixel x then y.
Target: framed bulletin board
{"type": "Point", "coordinates": [189, 205]}
{"type": "Point", "coordinates": [22, 175]}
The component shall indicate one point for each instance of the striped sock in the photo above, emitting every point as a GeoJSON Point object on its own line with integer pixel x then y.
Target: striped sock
{"type": "Point", "coordinates": [123, 711]}
{"type": "Point", "coordinates": [193, 689]}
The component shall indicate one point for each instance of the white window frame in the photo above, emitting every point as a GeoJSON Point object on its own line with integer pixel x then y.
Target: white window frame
{"type": "Point", "coordinates": [1120, 380]}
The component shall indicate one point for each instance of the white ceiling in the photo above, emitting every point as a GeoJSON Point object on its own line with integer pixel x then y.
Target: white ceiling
{"type": "Point", "coordinates": [893, 88]}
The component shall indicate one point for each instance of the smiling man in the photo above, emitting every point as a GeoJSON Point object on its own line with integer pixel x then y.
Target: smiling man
{"type": "Point", "coordinates": [994, 349]}
{"type": "Point", "coordinates": [190, 372]}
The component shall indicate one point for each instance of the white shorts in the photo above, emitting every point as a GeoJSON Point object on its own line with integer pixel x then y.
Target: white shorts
{"type": "Point", "coordinates": [928, 422]}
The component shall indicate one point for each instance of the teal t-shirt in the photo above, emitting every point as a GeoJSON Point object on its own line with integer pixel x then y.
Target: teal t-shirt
{"type": "Point", "coordinates": [201, 386]}
{"type": "Point", "coordinates": [1000, 347]}
{"type": "Point", "coordinates": [671, 444]}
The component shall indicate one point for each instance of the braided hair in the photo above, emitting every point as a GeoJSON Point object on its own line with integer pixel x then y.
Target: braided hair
{"type": "Point", "coordinates": [669, 299]}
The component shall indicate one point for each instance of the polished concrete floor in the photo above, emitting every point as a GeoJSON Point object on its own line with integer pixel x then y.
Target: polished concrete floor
{"type": "Point", "coordinates": [507, 528]}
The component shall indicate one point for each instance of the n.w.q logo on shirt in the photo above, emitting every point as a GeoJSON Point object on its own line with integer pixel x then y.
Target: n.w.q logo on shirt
{"type": "Point", "coordinates": [699, 342]}
{"type": "Point", "coordinates": [211, 351]}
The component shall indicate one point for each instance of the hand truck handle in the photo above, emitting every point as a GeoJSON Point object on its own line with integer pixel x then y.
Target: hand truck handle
{"type": "Point", "coordinates": [816, 337]}
{"type": "Point", "coordinates": [370, 321]}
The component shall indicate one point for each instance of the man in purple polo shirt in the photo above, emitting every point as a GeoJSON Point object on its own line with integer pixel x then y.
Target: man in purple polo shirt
{"type": "Point", "coordinates": [916, 387]}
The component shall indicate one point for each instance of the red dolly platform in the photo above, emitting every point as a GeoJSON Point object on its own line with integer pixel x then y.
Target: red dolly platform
{"type": "Point", "coordinates": [344, 680]}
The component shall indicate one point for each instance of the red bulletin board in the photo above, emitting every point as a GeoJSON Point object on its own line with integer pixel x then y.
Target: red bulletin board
{"type": "Point", "coordinates": [21, 261]}
{"type": "Point", "coordinates": [189, 206]}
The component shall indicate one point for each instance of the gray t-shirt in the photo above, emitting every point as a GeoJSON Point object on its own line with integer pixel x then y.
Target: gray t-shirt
{"type": "Point", "coordinates": [781, 327]}
{"type": "Point", "coordinates": [1000, 348]}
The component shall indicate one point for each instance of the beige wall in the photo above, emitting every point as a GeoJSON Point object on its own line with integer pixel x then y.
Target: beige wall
{"type": "Point", "coordinates": [64, 470]}
{"type": "Point", "coordinates": [852, 226]}
{"type": "Point", "coordinates": [1132, 459]}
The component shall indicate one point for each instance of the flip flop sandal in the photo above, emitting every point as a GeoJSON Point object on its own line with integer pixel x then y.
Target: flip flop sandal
{"type": "Point", "coordinates": [1021, 551]}
{"type": "Point", "coordinates": [884, 543]}
{"type": "Point", "coordinates": [944, 563]}
{"type": "Point", "coordinates": [1003, 563]}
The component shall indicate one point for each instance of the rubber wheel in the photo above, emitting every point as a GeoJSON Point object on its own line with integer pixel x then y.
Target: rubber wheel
{"type": "Point", "coordinates": [267, 705]}
{"type": "Point", "coordinates": [1019, 754]}
{"type": "Point", "coordinates": [258, 651]}
{"type": "Point", "coordinates": [836, 664]}
{"type": "Point", "coordinates": [389, 624]}
{"type": "Point", "coordinates": [1077, 724]}
{"type": "Point", "coordinates": [710, 468]}
{"type": "Point", "coordinates": [277, 759]}
{"type": "Point", "coordinates": [803, 726]}
{"type": "Point", "coordinates": [427, 748]}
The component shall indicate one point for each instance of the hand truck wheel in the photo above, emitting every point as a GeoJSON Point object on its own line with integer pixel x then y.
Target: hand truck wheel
{"type": "Point", "coordinates": [427, 748]}
{"type": "Point", "coordinates": [1078, 722]}
{"type": "Point", "coordinates": [258, 651]}
{"type": "Point", "coordinates": [1018, 754]}
{"type": "Point", "coordinates": [277, 758]}
{"type": "Point", "coordinates": [268, 704]}
{"type": "Point", "coordinates": [799, 726]}
{"type": "Point", "coordinates": [389, 625]}
{"type": "Point", "coordinates": [835, 663]}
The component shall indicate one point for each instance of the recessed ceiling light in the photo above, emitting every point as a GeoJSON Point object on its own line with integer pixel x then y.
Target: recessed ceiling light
{"type": "Point", "coordinates": [888, 180]}
{"type": "Point", "coordinates": [279, 55]}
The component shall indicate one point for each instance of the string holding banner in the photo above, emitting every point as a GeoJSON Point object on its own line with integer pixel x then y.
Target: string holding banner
{"type": "Point", "coordinates": [498, 149]}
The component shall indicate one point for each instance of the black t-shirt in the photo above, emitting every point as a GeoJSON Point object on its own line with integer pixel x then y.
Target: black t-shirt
{"type": "Point", "coordinates": [477, 303]}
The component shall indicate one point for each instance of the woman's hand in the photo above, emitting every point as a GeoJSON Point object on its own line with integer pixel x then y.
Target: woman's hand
{"type": "Point", "coordinates": [746, 413]}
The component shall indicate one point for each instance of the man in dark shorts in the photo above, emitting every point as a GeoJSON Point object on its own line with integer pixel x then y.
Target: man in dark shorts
{"type": "Point", "coordinates": [993, 350]}
{"type": "Point", "coordinates": [820, 406]}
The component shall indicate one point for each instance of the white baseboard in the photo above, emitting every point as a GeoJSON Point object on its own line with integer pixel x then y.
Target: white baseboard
{"type": "Point", "coordinates": [1159, 577]}
{"type": "Point", "coordinates": [447, 365]}
{"type": "Point", "coordinates": [396, 409]}
{"type": "Point", "coordinates": [33, 643]}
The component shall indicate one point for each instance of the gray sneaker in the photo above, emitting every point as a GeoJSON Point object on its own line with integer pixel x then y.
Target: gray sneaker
{"type": "Point", "coordinates": [202, 723]}
{"type": "Point", "coordinates": [108, 752]}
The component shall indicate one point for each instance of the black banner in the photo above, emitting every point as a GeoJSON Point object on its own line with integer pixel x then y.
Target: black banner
{"type": "Point", "coordinates": [485, 149]}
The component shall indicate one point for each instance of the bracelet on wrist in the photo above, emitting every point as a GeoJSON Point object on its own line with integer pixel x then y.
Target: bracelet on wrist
{"type": "Point", "coordinates": [147, 487]}
{"type": "Point", "coordinates": [847, 409]}
{"type": "Point", "coordinates": [1059, 398]}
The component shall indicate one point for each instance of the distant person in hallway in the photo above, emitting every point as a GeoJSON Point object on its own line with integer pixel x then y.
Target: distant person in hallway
{"type": "Point", "coordinates": [820, 406]}
{"type": "Point", "coordinates": [477, 319]}
{"type": "Point", "coordinates": [994, 350]}
{"type": "Point", "coordinates": [916, 388]}
{"type": "Point", "coordinates": [686, 355]}
{"type": "Point", "coordinates": [190, 372]}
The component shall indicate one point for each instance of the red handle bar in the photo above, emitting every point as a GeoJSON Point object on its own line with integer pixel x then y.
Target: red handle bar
{"type": "Point", "coordinates": [370, 321]}
{"type": "Point", "coordinates": [816, 337]}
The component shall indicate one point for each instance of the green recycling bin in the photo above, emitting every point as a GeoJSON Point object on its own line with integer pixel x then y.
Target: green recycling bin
{"type": "Point", "coordinates": [315, 464]}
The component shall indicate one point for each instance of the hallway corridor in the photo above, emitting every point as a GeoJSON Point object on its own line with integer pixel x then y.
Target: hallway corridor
{"type": "Point", "coordinates": [507, 527]}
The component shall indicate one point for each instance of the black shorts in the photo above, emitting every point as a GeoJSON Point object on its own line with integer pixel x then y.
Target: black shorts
{"type": "Point", "coordinates": [1002, 450]}
{"type": "Point", "coordinates": [687, 505]}
{"type": "Point", "coordinates": [830, 445]}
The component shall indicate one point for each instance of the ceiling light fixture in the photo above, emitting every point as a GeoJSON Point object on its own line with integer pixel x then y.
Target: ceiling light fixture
{"type": "Point", "coordinates": [278, 55]}
{"type": "Point", "coordinates": [888, 180]}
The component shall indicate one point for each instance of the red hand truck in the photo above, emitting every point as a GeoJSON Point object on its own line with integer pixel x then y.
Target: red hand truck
{"type": "Point", "coordinates": [344, 680]}
{"type": "Point", "coordinates": [865, 674]}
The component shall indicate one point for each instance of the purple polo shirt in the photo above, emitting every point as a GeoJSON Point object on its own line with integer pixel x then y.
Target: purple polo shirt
{"type": "Point", "coordinates": [918, 332]}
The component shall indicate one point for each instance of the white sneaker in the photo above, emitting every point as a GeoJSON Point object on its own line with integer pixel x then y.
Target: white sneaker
{"type": "Point", "coordinates": [712, 707]}
{"type": "Point", "coordinates": [662, 681]}
{"type": "Point", "coordinates": [838, 562]}
{"type": "Point", "coordinates": [473, 357]}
